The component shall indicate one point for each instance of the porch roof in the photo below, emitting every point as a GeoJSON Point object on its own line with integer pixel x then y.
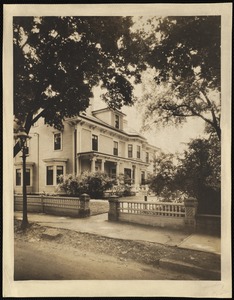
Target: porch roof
{"type": "Point", "coordinates": [100, 155]}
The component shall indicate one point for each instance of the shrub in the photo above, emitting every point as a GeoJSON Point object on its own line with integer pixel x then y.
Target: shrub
{"type": "Point", "coordinates": [93, 184]}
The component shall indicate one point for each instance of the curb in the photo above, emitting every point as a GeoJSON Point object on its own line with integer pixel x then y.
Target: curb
{"type": "Point", "coordinates": [189, 268]}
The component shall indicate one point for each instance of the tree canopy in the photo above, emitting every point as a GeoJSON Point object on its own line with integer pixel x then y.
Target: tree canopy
{"type": "Point", "coordinates": [58, 60]}
{"type": "Point", "coordinates": [185, 55]}
{"type": "Point", "coordinates": [196, 174]}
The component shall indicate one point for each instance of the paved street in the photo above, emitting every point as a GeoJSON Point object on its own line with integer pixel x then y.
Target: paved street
{"type": "Point", "coordinates": [47, 261]}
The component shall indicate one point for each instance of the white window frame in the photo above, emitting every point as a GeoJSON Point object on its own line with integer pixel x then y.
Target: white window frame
{"type": "Point", "coordinates": [138, 152]}
{"type": "Point", "coordinates": [61, 141]}
{"type": "Point", "coordinates": [92, 135]}
{"type": "Point", "coordinates": [117, 121]}
{"type": "Point", "coordinates": [20, 167]}
{"type": "Point", "coordinates": [115, 143]}
{"type": "Point", "coordinates": [54, 165]}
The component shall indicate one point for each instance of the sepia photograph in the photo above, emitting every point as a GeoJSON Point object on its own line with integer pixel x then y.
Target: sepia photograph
{"type": "Point", "coordinates": [117, 150]}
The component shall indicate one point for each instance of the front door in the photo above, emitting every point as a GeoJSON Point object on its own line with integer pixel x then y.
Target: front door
{"type": "Point", "coordinates": [127, 176]}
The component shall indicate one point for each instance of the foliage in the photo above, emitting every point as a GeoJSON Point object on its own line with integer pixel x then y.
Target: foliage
{"type": "Point", "coordinates": [197, 174]}
{"type": "Point", "coordinates": [185, 55]}
{"type": "Point", "coordinates": [58, 60]}
{"type": "Point", "coordinates": [93, 184]}
{"type": "Point", "coordinates": [162, 182]}
{"type": "Point", "coordinates": [124, 185]}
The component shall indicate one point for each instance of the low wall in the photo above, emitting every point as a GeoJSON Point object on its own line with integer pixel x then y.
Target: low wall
{"type": "Point", "coordinates": [62, 206]}
{"type": "Point", "coordinates": [163, 214]}
{"type": "Point", "coordinates": [152, 220]}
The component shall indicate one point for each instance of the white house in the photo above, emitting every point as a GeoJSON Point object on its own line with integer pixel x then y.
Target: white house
{"type": "Point", "coordinates": [97, 140]}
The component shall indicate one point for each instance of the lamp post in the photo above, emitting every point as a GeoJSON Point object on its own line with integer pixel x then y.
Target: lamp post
{"type": "Point", "coordinates": [22, 136]}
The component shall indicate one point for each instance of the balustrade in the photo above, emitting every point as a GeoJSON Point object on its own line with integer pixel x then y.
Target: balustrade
{"type": "Point", "coordinates": [167, 209]}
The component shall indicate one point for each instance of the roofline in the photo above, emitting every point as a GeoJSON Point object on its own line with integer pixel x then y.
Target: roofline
{"type": "Point", "coordinates": [111, 127]}
{"type": "Point", "coordinates": [108, 109]}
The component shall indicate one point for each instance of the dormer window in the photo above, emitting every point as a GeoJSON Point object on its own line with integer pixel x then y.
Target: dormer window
{"type": "Point", "coordinates": [117, 121]}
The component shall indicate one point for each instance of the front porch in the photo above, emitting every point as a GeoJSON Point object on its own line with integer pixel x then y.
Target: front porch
{"type": "Point", "coordinates": [132, 171]}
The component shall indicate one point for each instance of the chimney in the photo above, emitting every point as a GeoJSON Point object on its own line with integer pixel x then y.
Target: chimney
{"type": "Point", "coordinates": [90, 108]}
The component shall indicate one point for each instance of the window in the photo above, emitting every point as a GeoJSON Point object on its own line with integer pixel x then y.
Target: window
{"type": "Point", "coordinates": [127, 176]}
{"type": "Point", "coordinates": [138, 152]}
{"type": "Point", "coordinates": [49, 175]}
{"type": "Point", "coordinates": [147, 157]}
{"type": "Point", "coordinates": [57, 141]}
{"type": "Point", "coordinates": [116, 121]}
{"type": "Point", "coordinates": [27, 177]}
{"type": "Point", "coordinates": [113, 173]}
{"type": "Point", "coordinates": [59, 171]}
{"type": "Point", "coordinates": [18, 176]}
{"type": "Point", "coordinates": [115, 150]}
{"type": "Point", "coordinates": [143, 177]}
{"type": "Point", "coordinates": [129, 150]}
{"type": "Point", "coordinates": [94, 142]}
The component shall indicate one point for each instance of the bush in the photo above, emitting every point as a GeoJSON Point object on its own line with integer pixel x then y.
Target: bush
{"type": "Point", "coordinates": [94, 184]}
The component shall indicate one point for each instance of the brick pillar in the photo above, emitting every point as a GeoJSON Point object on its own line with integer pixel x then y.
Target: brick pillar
{"type": "Point", "coordinates": [84, 210]}
{"type": "Point", "coordinates": [190, 205]}
{"type": "Point", "coordinates": [113, 214]}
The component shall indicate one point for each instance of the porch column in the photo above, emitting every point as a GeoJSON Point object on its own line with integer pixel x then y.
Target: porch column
{"type": "Point", "coordinates": [93, 162]}
{"type": "Point", "coordinates": [102, 165]}
{"type": "Point", "coordinates": [137, 175]}
{"type": "Point", "coordinates": [77, 166]}
{"type": "Point", "coordinates": [117, 172]}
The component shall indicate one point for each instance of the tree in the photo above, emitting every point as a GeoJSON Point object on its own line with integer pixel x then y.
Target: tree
{"type": "Point", "coordinates": [196, 174]}
{"type": "Point", "coordinates": [162, 181]}
{"type": "Point", "coordinates": [185, 55]}
{"type": "Point", "coordinates": [199, 174]}
{"type": "Point", "coordinates": [58, 60]}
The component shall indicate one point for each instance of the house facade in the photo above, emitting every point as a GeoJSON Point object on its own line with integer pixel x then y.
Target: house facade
{"type": "Point", "coordinates": [97, 140]}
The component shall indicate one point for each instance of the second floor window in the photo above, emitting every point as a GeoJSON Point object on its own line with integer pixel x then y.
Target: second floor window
{"type": "Point", "coordinates": [129, 151]}
{"type": "Point", "coordinates": [94, 142]}
{"type": "Point", "coordinates": [57, 141]}
{"type": "Point", "coordinates": [147, 157]}
{"type": "Point", "coordinates": [116, 121]}
{"type": "Point", "coordinates": [115, 149]}
{"type": "Point", "coordinates": [138, 152]}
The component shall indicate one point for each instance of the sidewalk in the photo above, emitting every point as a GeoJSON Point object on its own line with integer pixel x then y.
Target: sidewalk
{"type": "Point", "coordinates": [100, 225]}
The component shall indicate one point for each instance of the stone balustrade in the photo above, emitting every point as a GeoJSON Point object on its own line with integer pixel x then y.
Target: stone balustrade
{"type": "Point", "coordinates": [163, 214]}
{"type": "Point", "coordinates": [63, 206]}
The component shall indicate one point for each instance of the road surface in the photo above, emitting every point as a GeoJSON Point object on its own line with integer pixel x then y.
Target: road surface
{"type": "Point", "coordinates": [40, 260]}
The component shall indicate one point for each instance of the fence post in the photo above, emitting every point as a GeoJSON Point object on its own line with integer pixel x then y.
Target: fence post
{"type": "Point", "coordinates": [42, 204]}
{"type": "Point", "coordinates": [190, 205]}
{"type": "Point", "coordinates": [113, 214]}
{"type": "Point", "coordinates": [84, 210]}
